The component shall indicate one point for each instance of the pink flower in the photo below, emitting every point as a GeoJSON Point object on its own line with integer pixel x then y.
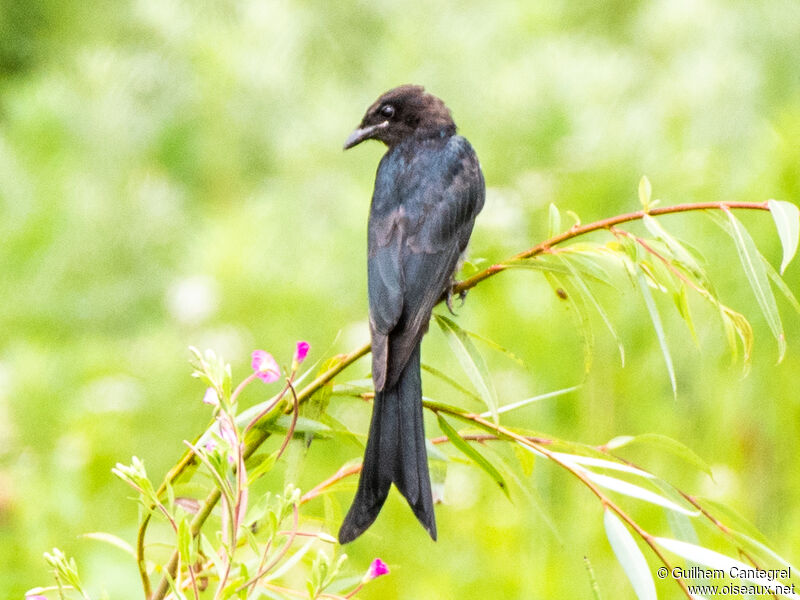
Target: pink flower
{"type": "Point", "coordinates": [227, 432]}
{"type": "Point", "coordinates": [300, 353]}
{"type": "Point", "coordinates": [36, 597]}
{"type": "Point", "coordinates": [376, 569]}
{"type": "Point", "coordinates": [267, 370]}
{"type": "Point", "coordinates": [211, 397]}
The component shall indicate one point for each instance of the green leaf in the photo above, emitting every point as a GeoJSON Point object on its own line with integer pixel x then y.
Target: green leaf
{"type": "Point", "coordinates": [591, 461]}
{"type": "Point", "coordinates": [581, 316]}
{"type": "Point", "coordinates": [781, 285]}
{"type": "Point", "coordinates": [679, 252]}
{"type": "Point", "coordinates": [554, 221]}
{"type": "Point", "coordinates": [184, 542]}
{"type": "Point", "coordinates": [315, 407]}
{"type": "Point", "coordinates": [749, 542]}
{"type": "Point", "coordinates": [681, 299]}
{"type": "Point", "coordinates": [715, 560]}
{"type": "Point", "coordinates": [757, 276]}
{"type": "Point", "coordinates": [303, 425]}
{"type": "Point", "coordinates": [634, 491]}
{"type": "Point", "coordinates": [521, 403]}
{"type": "Point", "coordinates": [596, 261]}
{"type": "Point", "coordinates": [471, 453]}
{"type": "Point", "coordinates": [736, 324]}
{"type": "Point", "coordinates": [659, 328]}
{"type": "Point", "coordinates": [731, 518]}
{"type": "Point", "coordinates": [662, 442]}
{"type": "Point", "coordinates": [645, 192]}
{"type": "Point", "coordinates": [629, 556]}
{"type": "Point", "coordinates": [495, 346]}
{"type": "Point", "coordinates": [108, 538]}
{"type": "Point", "coordinates": [599, 307]}
{"type": "Point", "coordinates": [787, 222]}
{"type": "Point", "coordinates": [450, 381]}
{"type": "Point", "coordinates": [536, 263]}
{"type": "Point", "coordinates": [471, 362]}
{"type": "Point", "coordinates": [263, 466]}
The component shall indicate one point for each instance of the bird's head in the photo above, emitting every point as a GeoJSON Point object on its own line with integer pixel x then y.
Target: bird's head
{"type": "Point", "coordinates": [402, 112]}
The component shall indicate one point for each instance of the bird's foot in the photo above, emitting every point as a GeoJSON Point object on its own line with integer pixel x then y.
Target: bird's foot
{"type": "Point", "coordinates": [462, 295]}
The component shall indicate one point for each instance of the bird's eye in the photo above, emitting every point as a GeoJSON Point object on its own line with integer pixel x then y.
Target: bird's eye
{"type": "Point", "coordinates": [387, 111]}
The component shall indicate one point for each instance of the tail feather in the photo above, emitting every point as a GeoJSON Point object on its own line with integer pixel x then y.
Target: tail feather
{"type": "Point", "coordinates": [396, 454]}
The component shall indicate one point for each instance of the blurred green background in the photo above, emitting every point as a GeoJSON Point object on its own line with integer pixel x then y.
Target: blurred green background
{"type": "Point", "coordinates": [171, 174]}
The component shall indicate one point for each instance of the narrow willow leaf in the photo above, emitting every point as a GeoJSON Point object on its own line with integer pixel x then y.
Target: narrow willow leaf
{"type": "Point", "coordinates": [471, 362]}
{"type": "Point", "coordinates": [645, 192]}
{"type": "Point", "coordinates": [681, 299]}
{"type": "Point", "coordinates": [659, 328]}
{"type": "Point", "coordinates": [629, 556]}
{"type": "Point", "coordinates": [758, 546]}
{"type": "Point", "coordinates": [594, 260]}
{"type": "Point", "coordinates": [471, 453]}
{"type": "Point", "coordinates": [515, 405]}
{"type": "Point", "coordinates": [635, 491]}
{"type": "Point", "coordinates": [495, 346]}
{"type": "Point", "coordinates": [787, 222]}
{"type": "Point", "coordinates": [553, 263]}
{"type": "Point", "coordinates": [590, 461]}
{"type": "Point", "coordinates": [662, 442]}
{"type": "Point", "coordinates": [729, 516]}
{"type": "Point", "coordinates": [108, 538]}
{"type": "Point", "coordinates": [781, 285]}
{"type": "Point", "coordinates": [715, 560]}
{"type": "Point", "coordinates": [681, 254]}
{"type": "Point", "coordinates": [451, 382]}
{"type": "Point", "coordinates": [303, 425]}
{"type": "Point", "coordinates": [554, 219]}
{"type": "Point", "coordinates": [680, 525]}
{"type": "Point", "coordinates": [753, 266]}
{"type": "Point", "coordinates": [538, 263]}
{"type": "Point", "coordinates": [581, 316]}
{"type": "Point", "coordinates": [737, 325]}
{"type": "Point", "coordinates": [578, 280]}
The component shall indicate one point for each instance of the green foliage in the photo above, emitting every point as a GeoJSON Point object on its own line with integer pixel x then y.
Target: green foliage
{"type": "Point", "coordinates": [171, 174]}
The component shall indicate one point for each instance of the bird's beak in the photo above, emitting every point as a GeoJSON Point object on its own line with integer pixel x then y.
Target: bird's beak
{"type": "Point", "coordinates": [364, 133]}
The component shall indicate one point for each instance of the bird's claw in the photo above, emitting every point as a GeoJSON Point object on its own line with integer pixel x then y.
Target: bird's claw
{"type": "Point", "coordinates": [462, 295]}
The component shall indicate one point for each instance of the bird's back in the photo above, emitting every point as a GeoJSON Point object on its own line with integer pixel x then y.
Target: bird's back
{"type": "Point", "coordinates": [427, 194]}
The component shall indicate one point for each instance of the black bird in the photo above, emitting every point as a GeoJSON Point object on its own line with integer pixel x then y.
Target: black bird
{"type": "Point", "coordinates": [428, 190]}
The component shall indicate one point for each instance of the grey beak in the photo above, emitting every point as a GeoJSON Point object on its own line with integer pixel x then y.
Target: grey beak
{"type": "Point", "coordinates": [363, 133]}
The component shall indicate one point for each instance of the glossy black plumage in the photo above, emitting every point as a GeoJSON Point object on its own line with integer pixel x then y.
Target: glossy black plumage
{"type": "Point", "coordinates": [428, 191]}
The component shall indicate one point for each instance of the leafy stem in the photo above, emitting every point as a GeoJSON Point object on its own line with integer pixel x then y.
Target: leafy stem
{"type": "Point", "coordinates": [258, 435]}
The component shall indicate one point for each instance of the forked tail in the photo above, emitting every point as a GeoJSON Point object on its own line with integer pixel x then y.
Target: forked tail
{"type": "Point", "coordinates": [395, 454]}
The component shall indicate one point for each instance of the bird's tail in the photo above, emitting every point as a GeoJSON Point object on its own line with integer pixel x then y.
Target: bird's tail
{"type": "Point", "coordinates": [395, 454]}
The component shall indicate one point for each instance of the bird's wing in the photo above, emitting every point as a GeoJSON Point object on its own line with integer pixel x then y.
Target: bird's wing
{"type": "Point", "coordinates": [415, 245]}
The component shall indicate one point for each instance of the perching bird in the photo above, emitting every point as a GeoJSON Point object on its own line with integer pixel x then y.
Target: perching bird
{"type": "Point", "coordinates": [428, 190]}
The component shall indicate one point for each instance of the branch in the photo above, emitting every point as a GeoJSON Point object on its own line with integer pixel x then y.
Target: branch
{"type": "Point", "coordinates": [347, 359]}
{"type": "Point", "coordinates": [578, 230]}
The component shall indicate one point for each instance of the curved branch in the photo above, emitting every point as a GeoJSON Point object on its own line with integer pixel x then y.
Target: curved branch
{"type": "Point", "coordinates": [578, 230]}
{"type": "Point", "coordinates": [348, 359]}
